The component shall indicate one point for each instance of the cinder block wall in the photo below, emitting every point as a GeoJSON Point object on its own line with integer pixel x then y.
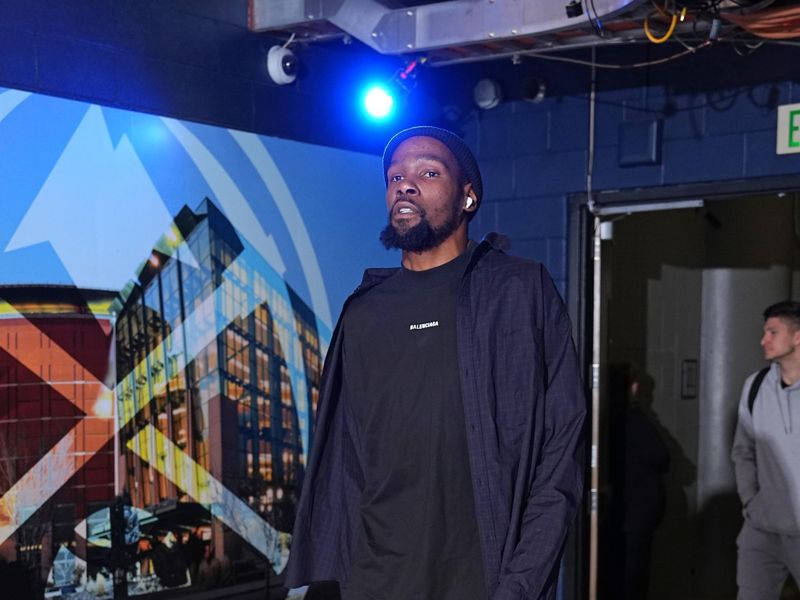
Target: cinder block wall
{"type": "Point", "coordinates": [718, 120]}
{"type": "Point", "coordinates": [188, 59]}
{"type": "Point", "coordinates": [532, 156]}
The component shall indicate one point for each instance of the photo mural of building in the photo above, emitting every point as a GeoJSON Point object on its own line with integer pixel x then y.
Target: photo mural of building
{"type": "Point", "coordinates": [218, 366]}
{"type": "Point", "coordinates": [56, 418]}
{"type": "Point", "coordinates": [220, 333]}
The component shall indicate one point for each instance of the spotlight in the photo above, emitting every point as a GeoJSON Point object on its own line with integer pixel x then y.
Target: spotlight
{"type": "Point", "coordinates": [378, 101]}
{"type": "Point", "coordinates": [281, 65]}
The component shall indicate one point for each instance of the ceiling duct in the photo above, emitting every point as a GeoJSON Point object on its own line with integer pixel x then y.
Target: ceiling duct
{"type": "Point", "coordinates": [501, 24]}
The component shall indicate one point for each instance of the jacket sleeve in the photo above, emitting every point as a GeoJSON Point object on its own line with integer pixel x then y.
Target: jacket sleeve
{"type": "Point", "coordinates": [744, 449]}
{"type": "Point", "coordinates": [557, 485]}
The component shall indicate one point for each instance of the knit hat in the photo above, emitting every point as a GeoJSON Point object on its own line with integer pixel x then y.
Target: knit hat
{"type": "Point", "coordinates": [459, 148]}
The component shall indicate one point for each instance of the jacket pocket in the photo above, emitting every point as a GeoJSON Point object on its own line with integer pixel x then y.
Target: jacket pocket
{"type": "Point", "coordinates": [772, 510]}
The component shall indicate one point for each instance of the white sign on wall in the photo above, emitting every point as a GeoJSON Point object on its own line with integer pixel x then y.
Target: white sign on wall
{"type": "Point", "coordinates": [788, 140]}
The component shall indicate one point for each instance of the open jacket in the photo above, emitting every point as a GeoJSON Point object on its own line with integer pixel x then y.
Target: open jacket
{"type": "Point", "coordinates": [524, 410]}
{"type": "Point", "coordinates": [766, 454]}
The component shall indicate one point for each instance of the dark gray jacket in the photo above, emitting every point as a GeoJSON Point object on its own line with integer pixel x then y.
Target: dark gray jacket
{"type": "Point", "coordinates": [524, 410]}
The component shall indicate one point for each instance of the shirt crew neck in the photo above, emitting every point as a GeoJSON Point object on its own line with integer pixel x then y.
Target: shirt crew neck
{"type": "Point", "coordinates": [438, 275]}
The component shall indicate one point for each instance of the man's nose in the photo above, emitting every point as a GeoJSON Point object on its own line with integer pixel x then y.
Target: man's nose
{"type": "Point", "coordinates": [407, 188]}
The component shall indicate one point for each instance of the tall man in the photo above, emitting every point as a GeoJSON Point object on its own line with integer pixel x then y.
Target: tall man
{"type": "Point", "coordinates": [448, 455]}
{"type": "Point", "coordinates": [766, 453]}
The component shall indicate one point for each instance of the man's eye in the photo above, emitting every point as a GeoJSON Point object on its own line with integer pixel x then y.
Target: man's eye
{"type": "Point", "coordinates": [431, 174]}
{"type": "Point", "coordinates": [395, 178]}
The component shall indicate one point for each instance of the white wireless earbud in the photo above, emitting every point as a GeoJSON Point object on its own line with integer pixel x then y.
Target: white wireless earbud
{"type": "Point", "coordinates": [470, 202]}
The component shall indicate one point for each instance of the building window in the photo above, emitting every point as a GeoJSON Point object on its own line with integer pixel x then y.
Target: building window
{"type": "Point", "coordinates": [245, 411]}
{"type": "Point", "coordinates": [264, 417]}
{"type": "Point", "coordinates": [286, 387]}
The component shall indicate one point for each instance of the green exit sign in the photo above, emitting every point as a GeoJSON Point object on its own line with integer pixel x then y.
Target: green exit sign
{"type": "Point", "coordinates": [788, 129]}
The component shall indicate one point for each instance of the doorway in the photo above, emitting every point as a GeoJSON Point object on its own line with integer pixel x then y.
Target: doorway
{"type": "Point", "coordinates": [677, 305]}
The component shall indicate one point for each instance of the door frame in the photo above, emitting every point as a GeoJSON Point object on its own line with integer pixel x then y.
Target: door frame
{"type": "Point", "coordinates": [584, 257]}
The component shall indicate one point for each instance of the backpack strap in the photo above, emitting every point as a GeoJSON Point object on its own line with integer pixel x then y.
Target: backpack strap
{"type": "Point", "coordinates": [751, 397]}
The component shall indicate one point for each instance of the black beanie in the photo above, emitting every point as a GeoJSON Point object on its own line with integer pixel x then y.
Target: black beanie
{"type": "Point", "coordinates": [459, 148]}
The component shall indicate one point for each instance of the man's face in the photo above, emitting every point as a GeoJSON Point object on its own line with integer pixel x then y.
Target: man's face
{"type": "Point", "coordinates": [423, 196]}
{"type": "Point", "coordinates": [780, 338]}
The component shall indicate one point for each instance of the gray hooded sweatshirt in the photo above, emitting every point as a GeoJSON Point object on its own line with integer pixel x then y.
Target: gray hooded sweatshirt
{"type": "Point", "coordinates": [766, 454]}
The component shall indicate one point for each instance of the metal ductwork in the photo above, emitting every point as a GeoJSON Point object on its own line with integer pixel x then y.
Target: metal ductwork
{"type": "Point", "coordinates": [465, 27]}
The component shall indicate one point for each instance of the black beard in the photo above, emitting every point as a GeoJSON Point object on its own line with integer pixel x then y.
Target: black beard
{"type": "Point", "coordinates": [421, 237]}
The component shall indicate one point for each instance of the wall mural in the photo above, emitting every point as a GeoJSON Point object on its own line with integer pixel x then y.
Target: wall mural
{"type": "Point", "coordinates": [167, 294]}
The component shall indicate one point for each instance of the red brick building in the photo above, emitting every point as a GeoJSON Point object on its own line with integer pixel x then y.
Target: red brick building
{"type": "Point", "coordinates": [56, 420]}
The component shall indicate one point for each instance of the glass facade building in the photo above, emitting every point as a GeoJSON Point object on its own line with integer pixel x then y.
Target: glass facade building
{"type": "Point", "coordinates": [218, 365]}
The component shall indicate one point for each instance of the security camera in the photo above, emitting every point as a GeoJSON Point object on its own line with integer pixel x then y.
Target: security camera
{"type": "Point", "coordinates": [487, 94]}
{"type": "Point", "coordinates": [281, 65]}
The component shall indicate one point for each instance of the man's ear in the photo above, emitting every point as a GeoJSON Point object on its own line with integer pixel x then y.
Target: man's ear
{"type": "Point", "coordinates": [470, 201]}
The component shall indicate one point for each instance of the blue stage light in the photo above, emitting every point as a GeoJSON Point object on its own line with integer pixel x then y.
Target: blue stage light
{"type": "Point", "coordinates": [378, 102]}
{"type": "Point", "coordinates": [381, 100]}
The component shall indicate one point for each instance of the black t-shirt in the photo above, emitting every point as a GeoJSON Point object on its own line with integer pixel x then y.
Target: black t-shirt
{"type": "Point", "coordinates": [418, 538]}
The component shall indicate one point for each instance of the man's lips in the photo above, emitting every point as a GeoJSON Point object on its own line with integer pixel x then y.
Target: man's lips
{"type": "Point", "coordinates": [404, 208]}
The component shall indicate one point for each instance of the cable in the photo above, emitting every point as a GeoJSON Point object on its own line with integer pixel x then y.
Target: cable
{"type": "Point", "coordinates": [649, 63]}
{"type": "Point", "coordinates": [744, 43]}
{"type": "Point", "coordinates": [671, 28]}
{"type": "Point", "coordinates": [662, 10]}
{"type": "Point", "coordinates": [682, 43]}
{"type": "Point", "coordinates": [289, 41]}
{"type": "Point", "coordinates": [779, 23]}
{"type": "Point", "coordinates": [751, 8]}
{"type": "Point", "coordinates": [597, 24]}
{"type": "Point", "coordinates": [783, 43]}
